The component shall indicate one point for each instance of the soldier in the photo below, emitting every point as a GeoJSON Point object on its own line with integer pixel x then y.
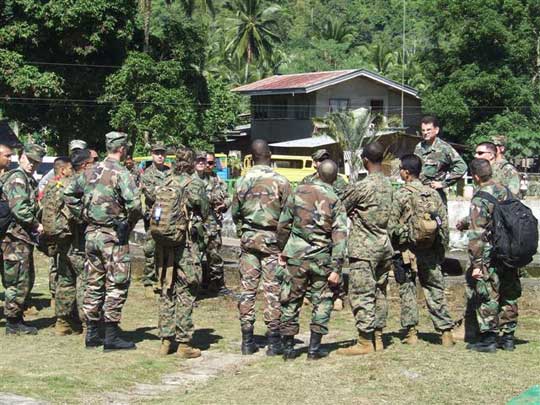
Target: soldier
{"type": "Point", "coordinates": [368, 205]}
{"type": "Point", "coordinates": [415, 258]}
{"type": "Point", "coordinates": [5, 158]}
{"type": "Point", "coordinates": [318, 157]}
{"type": "Point", "coordinates": [484, 277]}
{"type": "Point", "coordinates": [179, 274]}
{"type": "Point", "coordinates": [74, 145]}
{"type": "Point", "coordinates": [316, 222]}
{"type": "Point", "coordinates": [20, 190]}
{"type": "Point", "coordinates": [441, 164]}
{"type": "Point", "coordinates": [152, 177]}
{"type": "Point", "coordinates": [111, 206]}
{"type": "Point", "coordinates": [257, 204]}
{"type": "Point", "coordinates": [216, 189]}
{"type": "Point", "coordinates": [504, 172]}
{"type": "Point", "coordinates": [133, 169]}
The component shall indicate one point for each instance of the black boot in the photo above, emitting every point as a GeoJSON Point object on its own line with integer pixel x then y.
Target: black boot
{"type": "Point", "coordinates": [16, 326]}
{"type": "Point", "coordinates": [314, 350]}
{"type": "Point", "coordinates": [92, 338]}
{"type": "Point", "coordinates": [486, 344]}
{"type": "Point", "coordinates": [288, 348]}
{"type": "Point", "coordinates": [248, 343]}
{"type": "Point", "coordinates": [274, 346]}
{"type": "Point", "coordinates": [506, 342]}
{"type": "Point", "coordinates": [113, 340]}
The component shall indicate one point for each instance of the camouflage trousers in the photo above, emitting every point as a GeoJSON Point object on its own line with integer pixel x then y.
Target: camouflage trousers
{"type": "Point", "coordinates": [149, 277]}
{"type": "Point", "coordinates": [253, 268]}
{"type": "Point", "coordinates": [212, 264]}
{"type": "Point", "coordinates": [18, 275]}
{"type": "Point", "coordinates": [108, 270]}
{"type": "Point", "coordinates": [509, 292]}
{"type": "Point", "coordinates": [66, 281]}
{"type": "Point", "coordinates": [301, 276]}
{"type": "Point", "coordinates": [432, 281]}
{"type": "Point", "coordinates": [77, 258]}
{"type": "Point", "coordinates": [53, 274]}
{"type": "Point", "coordinates": [179, 278]}
{"type": "Point", "coordinates": [367, 293]}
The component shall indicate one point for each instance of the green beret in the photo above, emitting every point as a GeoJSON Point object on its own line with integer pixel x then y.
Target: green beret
{"type": "Point", "coordinates": [115, 139]}
{"type": "Point", "coordinates": [320, 154]}
{"type": "Point", "coordinates": [34, 151]}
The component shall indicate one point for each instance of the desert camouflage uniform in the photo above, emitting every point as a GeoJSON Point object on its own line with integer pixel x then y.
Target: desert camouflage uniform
{"type": "Point", "coordinates": [109, 198]}
{"type": "Point", "coordinates": [428, 261]}
{"type": "Point", "coordinates": [179, 274]}
{"type": "Point", "coordinates": [440, 162]}
{"type": "Point", "coordinates": [256, 207]}
{"type": "Point", "coordinates": [368, 204]}
{"type": "Point", "coordinates": [150, 179]}
{"type": "Point", "coordinates": [316, 221]}
{"type": "Point", "coordinates": [484, 295]}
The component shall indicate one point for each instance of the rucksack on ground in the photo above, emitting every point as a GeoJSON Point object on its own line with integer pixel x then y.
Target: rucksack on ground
{"type": "Point", "coordinates": [169, 219]}
{"type": "Point", "coordinates": [424, 222]}
{"type": "Point", "coordinates": [53, 218]}
{"type": "Point", "coordinates": [513, 233]}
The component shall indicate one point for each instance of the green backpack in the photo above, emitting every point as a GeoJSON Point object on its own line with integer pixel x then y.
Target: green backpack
{"type": "Point", "coordinates": [424, 222]}
{"type": "Point", "coordinates": [169, 221]}
{"type": "Point", "coordinates": [54, 215]}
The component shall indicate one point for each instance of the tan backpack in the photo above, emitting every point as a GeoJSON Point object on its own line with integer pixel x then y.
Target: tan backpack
{"type": "Point", "coordinates": [424, 222]}
{"type": "Point", "coordinates": [54, 218]}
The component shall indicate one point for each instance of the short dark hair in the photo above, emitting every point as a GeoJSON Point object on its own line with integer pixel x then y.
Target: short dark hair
{"type": "Point", "coordinates": [59, 163]}
{"type": "Point", "coordinates": [79, 157]}
{"type": "Point", "coordinates": [374, 152]}
{"type": "Point", "coordinates": [430, 119]}
{"type": "Point", "coordinates": [489, 146]}
{"type": "Point", "coordinates": [412, 163]}
{"type": "Point", "coordinates": [481, 168]}
{"type": "Point", "coordinates": [260, 150]}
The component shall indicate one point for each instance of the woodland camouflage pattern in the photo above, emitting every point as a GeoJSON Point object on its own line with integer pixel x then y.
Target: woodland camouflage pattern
{"type": "Point", "coordinates": [314, 227]}
{"type": "Point", "coordinates": [440, 162]}
{"type": "Point", "coordinates": [507, 175]}
{"type": "Point", "coordinates": [339, 185]}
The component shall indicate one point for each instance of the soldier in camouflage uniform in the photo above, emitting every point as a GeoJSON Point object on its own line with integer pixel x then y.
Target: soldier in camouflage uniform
{"type": "Point", "coordinates": [179, 274]}
{"type": "Point", "coordinates": [5, 158]}
{"type": "Point", "coordinates": [318, 157]}
{"type": "Point", "coordinates": [216, 189]}
{"type": "Point", "coordinates": [368, 203]}
{"type": "Point", "coordinates": [504, 172]}
{"type": "Point", "coordinates": [313, 230]}
{"type": "Point", "coordinates": [441, 164]}
{"type": "Point", "coordinates": [256, 207]}
{"type": "Point", "coordinates": [111, 206]}
{"type": "Point", "coordinates": [20, 190]}
{"type": "Point", "coordinates": [484, 277]}
{"type": "Point", "coordinates": [418, 261]}
{"type": "Point", "coordinates": [133, 169]}
{"type": "Point", "coordinates": [152, 177]}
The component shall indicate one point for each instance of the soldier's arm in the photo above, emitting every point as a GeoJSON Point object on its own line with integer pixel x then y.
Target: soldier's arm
{"type": "Point", "coordinates": [130, 195]}
{"type": "Point", "coordinates": [353, 196]}
{"type": "Point", "coordinates": [148, 187]}
{"type": "Point", "coordinates": [457, 167]}
{"type": "Point", "coordinates": [339, 236]}
{"type": "Point", "coordinates": [340, 185]}
{"type": "Point", "coordinates": [73, 197]}
{"type": "Point", "coordinates": [514, 179]}
{"type": "Point", "coordinates": [19, 200]}
{"type": "Point", "coordinates": [198, 199]}
{"type": "Point", "coordinates": [398, 231]}
{"type": "Point", "coordinates": [444, 231]}
{"type": "Point", "coordinates": [286, 191]}
{"type": "Point", "coordinates": [224, 194]}
{"type": "Point", "coordinates": [479, 218]}
{"type": "Point", "coordinates": [285, 223]}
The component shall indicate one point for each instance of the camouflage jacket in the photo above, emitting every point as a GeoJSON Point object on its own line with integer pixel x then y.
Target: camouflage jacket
{"type": "Point", "coordinates": [313, 225]}
{"type": "Point", "coordinates": [259, 198]}
{"type": "Point", "coordinates": [150, 179]}
{"type": "Point", "coordinates": [401, 212]}
{"type": "Point", "coordinates": [440, 162]}
{"type": "Point", "coordinates": [105, 194]}
{"type": "Point", "coordinates": [216, 190]}
{"type": "Point", "coordinates": [20, 190]}
{"type": "Point", "coordinates": [507, 175]}
{"type": "Point", "coordinates": [136, 174]}
{"type": "Point", "coordinates": [480, 215]}
{"type": "Point", "coordinates": [339, 185]}
{"type": "Point", "coordinates": [368, 203]}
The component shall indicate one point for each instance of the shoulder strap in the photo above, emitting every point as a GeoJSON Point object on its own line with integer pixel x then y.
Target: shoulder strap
{"type": "Point", "coordinates": [486, 196]}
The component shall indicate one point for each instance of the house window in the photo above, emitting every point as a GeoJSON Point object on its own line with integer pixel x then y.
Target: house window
{"type": "Point", "coordinates": [377, 106]}
{"type": "Point", "coordinates": [338, 104]}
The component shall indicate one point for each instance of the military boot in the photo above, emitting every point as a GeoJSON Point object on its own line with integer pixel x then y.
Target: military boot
{"type": "Point", "coordinates": [274, 347]}
{"type": "Point", "coordinates": [378, 340]}
{"type": "Point", "coordinates": [62, 327]}
{"type": "Point", "coordinates": [289, 353]}
{"type": "Point", "coordinates": [314, 350]}
{"type": "Point", "coordinates": [113, 341]}
{"type": "Point", "coordinates": [91, 337]}
{"type": "Point", "coordinates": [149, 292]}
{"type": "Point", "coordinates": [486, 344]}
{"type": "Point", "coordinates": [363, 346]}
{"type": "Point", "coordinates": [186, 351]}
{"type": "Point", "coordinates": [447, 339]}
{"type": "Point", "coordinates": [16, 326]}
{"type": "Point", "coordinates": [506, 342]}
{"type": "Point", "coordinates": [166, 346]}
{"type": "Point", "coordinates": [411, 338]}
{"type": "Point", "coordinates": [248, 343]}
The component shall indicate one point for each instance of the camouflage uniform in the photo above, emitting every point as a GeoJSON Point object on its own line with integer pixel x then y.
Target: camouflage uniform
{"type": "Point", "coordinates": [485, 294]}
{"type": "Point", "coordinates": [179, 274]}
{"type": "Point", "coordinates": [339, 185]}
{"type": "Point", "coordinates": [507, 175]}
{"type": "Point", "coordinates": [368, 204]}
{"type": "Point", "coordinates": [440, 162]}
{"type": "Point", "coordinates": [109, 199]}
{"type": "Point", "coordinates": [150, 179]}
{"type": "Point", "coordinates": [316, 221]}
{"type": "Point", "coordinates": [136, 175]}
{"type": "Point", "coordinates": [256, 207]}
{"type": "Point", "coordinates": [428, 261]}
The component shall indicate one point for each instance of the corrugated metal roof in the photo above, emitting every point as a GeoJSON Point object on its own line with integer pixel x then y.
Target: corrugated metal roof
{"type": "Point", "coordinates": [312, 142]}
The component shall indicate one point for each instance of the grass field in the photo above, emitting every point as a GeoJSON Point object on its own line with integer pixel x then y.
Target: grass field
{"type": "Point", "coordinates": [61, 370]}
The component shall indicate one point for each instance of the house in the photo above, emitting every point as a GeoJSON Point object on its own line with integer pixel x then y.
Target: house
{"type": "Point", "coordinates": [282, 107]}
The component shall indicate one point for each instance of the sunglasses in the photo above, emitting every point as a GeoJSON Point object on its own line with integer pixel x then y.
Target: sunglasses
{"type": "Point", "coordinates": [481, 152]}
{"type": "Point", "coordinates": [210, 163]}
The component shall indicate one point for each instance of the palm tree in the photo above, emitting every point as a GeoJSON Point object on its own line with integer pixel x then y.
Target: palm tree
{"type": "Point", "coordinates": [336, 30]}
{"type": "Point", "coordinates": [207, 6]}
{"type": "Point", "coordinates": [252, 26]}
{"type": "Point", "coordinates": [145, 8]}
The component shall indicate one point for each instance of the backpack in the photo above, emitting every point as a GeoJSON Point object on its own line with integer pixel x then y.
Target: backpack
{"type": "Point", "coordinates": [424, 223]}
{"type": "Point", "coordinates": [6, 216]}
{"type": "Point", "coordinates": [169, 220]}
{"type": "Point", "coordinates": [54, 220]}
{"type": "Point", "coordinates": [513, 232]}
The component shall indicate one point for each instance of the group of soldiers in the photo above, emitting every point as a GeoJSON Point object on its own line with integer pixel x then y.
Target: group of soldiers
{"type": "Point", "coordinates": [294, 243]}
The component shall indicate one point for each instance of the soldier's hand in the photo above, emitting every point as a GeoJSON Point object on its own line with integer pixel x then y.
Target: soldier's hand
{"type": "Point", "coordinates": [39, 229]}
{"type": "Point", "coordinates": [281, 260]}
{"type": "Point", "coordinates": [477, 274]}
{"type": "Point", "coordinates": [437, 185]}
{"type": "Point", "coordinates": [462, 226]}
{"type": "Point", "coordinates": [333, 279]}
{"type": "Point", "coordinates": [220, 208]}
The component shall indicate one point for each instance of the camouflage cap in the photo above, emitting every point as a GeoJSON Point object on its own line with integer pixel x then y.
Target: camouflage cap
{"type": "Point", "coordinates": [200, 155]}
{"type": "Point", "coordinates": [115, 139]}
{"type": "Point", "coordinates": [34, 151]}
{"type": "Point", "coordinates": [499, 140]}
{"type": "Point", "coordinates": [77, 144]}
{"type": "Point", "coordinates": [157, 146]}
{"type": "Point", "coordinates": [320, 154]}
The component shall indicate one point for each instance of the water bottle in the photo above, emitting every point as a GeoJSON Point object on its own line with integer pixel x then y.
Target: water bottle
{"type": "Point", "coordinates": [157, 213]}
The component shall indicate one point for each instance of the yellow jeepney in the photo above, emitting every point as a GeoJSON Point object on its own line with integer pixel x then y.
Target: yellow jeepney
{"type": "Point", "coordinates": [292, 167]}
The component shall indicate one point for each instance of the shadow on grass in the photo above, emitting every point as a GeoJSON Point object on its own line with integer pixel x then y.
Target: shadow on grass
{"type": "Point", "coordinates": [204, 338]}
{"type": "Point", "coordinates": [41, 323]}
{"type": "Point", "coordinates": [140, 334]}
